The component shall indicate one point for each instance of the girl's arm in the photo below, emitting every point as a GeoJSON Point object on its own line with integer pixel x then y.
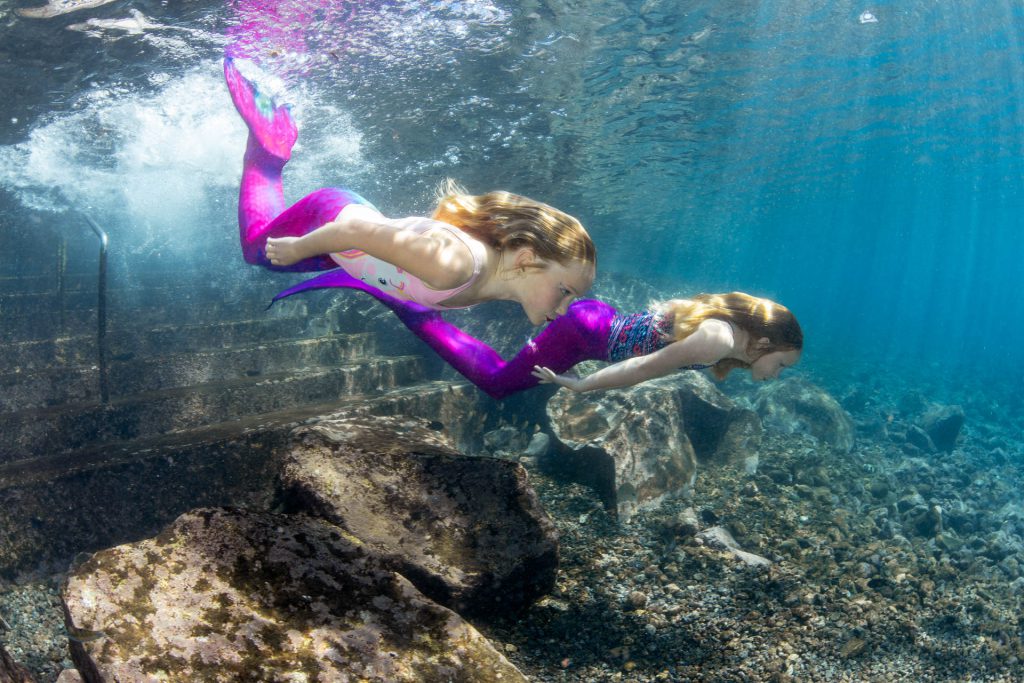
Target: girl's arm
{"type": "Point", "coordinates": [439, 260]}
{"type": "Point", "coordinates": [711, 342]}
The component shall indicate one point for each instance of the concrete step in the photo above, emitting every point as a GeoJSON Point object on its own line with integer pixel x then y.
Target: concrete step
{"type": "Point", "coordinates": [130, 374]}
{"type": "Point", "coordinates": [447, 403]}
{"type": "Point", "coordinates": [55, 506]}
{"type": "Point", "coordinates": [84, 282]}
{"type": "Point", "coordinates": [37, 315]}
{"type": "Point", "coordinates": [288, 322]}
{"type": "Point", "coordinates": [37, 432]}
{"type": "Point", "coordinates": [40, 318]}
{"type": "Point", "coordinates": [85, 278]}
{"type": "Point", "coordinates": [46, 282]}
{"type": "Point", "coordinates": [47, 322]}
{"type": "Point", "coordinates": [50, 324]}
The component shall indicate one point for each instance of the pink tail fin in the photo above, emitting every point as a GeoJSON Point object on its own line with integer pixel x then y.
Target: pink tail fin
{"type": "Point", "coordinates": [269, 123]}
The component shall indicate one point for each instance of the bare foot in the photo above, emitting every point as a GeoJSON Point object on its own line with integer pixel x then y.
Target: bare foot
{"type": "Point", "coordinates": [282, 251]}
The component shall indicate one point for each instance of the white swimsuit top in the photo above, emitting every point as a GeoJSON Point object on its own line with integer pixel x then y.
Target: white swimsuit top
{"type": "Point", "coordinates": [401, 284]}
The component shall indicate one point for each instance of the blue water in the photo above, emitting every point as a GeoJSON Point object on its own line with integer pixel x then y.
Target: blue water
{"type": "Point", "coordinates": [867, 175]}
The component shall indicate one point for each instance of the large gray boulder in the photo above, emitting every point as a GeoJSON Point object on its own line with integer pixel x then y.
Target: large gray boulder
{"type": "Point", "coordinates": [469, 532]}
{"type": "Point", "coordinates": [794, 405]}
{"type": "Point", "coordinates": [228, 595]}
{"type": "Point", "coordinates": [640, 445]}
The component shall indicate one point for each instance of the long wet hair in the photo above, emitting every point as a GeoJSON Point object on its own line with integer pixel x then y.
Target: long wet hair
{"type": "Point", "coordinates": [507, 221]}
{"type": "Point", "coordinates": [761, 318]}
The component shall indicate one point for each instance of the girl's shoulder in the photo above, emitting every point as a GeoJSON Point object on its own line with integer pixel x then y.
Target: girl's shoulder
{"type": "Point", "coordinates": [423, 224]}
{"type": "Point", "coordinates": [715, 326]}
{"type": "Point", "coordinates": [716, 330]}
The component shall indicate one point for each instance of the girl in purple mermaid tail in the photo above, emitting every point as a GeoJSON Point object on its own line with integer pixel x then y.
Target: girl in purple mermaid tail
{"type": "Point", "coordinates": [474, 248]}
{"type": "Point", "coordinates": [722, 332]}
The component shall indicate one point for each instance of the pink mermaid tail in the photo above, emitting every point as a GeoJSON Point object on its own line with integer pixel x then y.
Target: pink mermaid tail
{"type": "Point", "coordinates": [581, 334]}
{"type": "Point", "coordinates": [270, 123]}
{"type": "Point", "coordinates": [261, 206]}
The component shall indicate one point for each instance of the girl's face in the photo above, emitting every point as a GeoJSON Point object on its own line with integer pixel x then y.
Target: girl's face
{"type": "Point", "coordinates": [550, 290]}
{"type": "Point", "coordinates": [770, 365]}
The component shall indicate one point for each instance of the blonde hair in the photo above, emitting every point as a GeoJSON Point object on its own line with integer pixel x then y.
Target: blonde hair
{"type": "Point", "coordinates": [761, 318]}
{"type": "Point", "coordinates": [504, 220]}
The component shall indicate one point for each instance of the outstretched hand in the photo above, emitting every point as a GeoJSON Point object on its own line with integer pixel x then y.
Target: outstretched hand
{"type": "Point", "coordinates": [546, 376]}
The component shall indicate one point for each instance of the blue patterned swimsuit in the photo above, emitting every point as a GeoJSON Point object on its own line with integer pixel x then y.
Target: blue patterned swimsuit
{"type": "Point", "coordinates": [637, 334]}
{"type": "Point", "coordinates": [640, 334]}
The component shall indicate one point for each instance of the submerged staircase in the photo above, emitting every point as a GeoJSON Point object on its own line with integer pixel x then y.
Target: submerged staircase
{"type": "Point", "coordinates": [203, 385]}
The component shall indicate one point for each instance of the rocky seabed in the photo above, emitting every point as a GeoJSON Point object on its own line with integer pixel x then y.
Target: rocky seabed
{"type": "Point", "coordinates": [870, 536]}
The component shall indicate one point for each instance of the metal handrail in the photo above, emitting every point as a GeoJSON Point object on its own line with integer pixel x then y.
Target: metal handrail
{"type": "Point", "coordinates": [62, 270]}
{"type": "Point", "coordinates": [101, 309]}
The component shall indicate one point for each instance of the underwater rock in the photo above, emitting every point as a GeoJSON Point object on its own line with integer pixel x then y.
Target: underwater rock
{"type": "Point", "coordinates": [856, 399]}
{"type": "Point", "coordinates": [228, 595]}
{"type": "Point", "coordinates": [629, 444]}
{"type": "Point", "coordinates": [469, 532]}
{"type": "Point", "coordinates": [640, 445]}
{"type": "Point", "coordinates": [943, 425]}
{"type": "Point", "coordinates": [11, 671]}
{"type": "Point", "coordinates": [718, 428]}
{"type": "Point", "coordinates": [55, 8]}
{"type": "Point", "coordinates": [688, 524]}
{"type": "Point", "coordinates": [998, 456]}
{"type": "Point", "coordinates": [795, 405]}
{"type": "Point", "coordinates": [540, 444]}
{"type": "Point", "coordinates": [504, 438]}
{"type": "Point", "coordinates": [910, 501]}
{"type": "Point", "coordinates": [912, 403]}
{"type": "Point", "coordinates": [919, 438]}
{"type": "Point", "coordinates": [926, 520]}
{"type": "Point", "coordinates": [719, 538]}
{"type": "Point", "coordinates": [69, 676]}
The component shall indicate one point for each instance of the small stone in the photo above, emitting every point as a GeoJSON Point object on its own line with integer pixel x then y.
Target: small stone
{"type": "Point", "coordinates": [687, 522]}
{"type": "Point", "coordinates": [853, 647]}
{"type": "Point", "coordinates": [539, 445]}
{"type": "Point", "coordinates": [638, 599]}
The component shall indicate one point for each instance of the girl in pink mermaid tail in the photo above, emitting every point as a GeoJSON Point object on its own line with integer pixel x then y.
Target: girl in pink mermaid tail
{"type": "Point", "coordinates": [497, 246]}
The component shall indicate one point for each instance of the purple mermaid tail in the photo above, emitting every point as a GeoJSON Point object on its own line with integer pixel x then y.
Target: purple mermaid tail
{"type": "Point", "coordinates": [581, 334]}
{"type": "Point", "coordinates": [261, 206]}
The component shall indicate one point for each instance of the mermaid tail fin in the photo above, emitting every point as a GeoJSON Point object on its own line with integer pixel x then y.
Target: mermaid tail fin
{"type": "Point", "coordinates": [269, 123]}
{"type": "Point", "coordinates": [340, 278]}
